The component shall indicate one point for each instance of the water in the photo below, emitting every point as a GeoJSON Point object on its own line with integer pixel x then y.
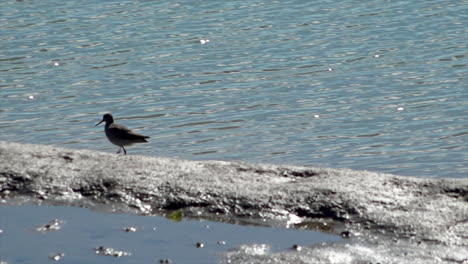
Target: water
{"type": "Point", "coordinates": [155, 238]}
{"type": "Point", "coordinates": [377, 85]}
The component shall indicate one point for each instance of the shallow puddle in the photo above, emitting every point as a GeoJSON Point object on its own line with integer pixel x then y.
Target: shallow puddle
{"type": "Point", "coordinates": [37, 234]}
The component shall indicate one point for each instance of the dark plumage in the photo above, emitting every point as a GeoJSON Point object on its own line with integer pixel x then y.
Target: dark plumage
{"type": "Point", "coordinates": [120, 135]}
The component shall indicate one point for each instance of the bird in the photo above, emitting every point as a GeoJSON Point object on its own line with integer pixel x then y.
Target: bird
{"type": "Point", "coordinates": [120, 135]}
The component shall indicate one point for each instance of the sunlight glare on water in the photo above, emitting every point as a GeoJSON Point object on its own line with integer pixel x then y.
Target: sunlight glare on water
{"type": "Point", "coordinates": [376, 85]}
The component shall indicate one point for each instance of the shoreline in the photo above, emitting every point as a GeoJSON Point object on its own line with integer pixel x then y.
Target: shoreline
{"type": "Point", "coordinates": [394, 218]}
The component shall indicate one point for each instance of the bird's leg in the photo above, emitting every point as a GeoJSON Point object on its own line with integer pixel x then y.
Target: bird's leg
{"type": "Point", "coordinates": [124, 150]}
{"type": "Point", "coordinates": [118, 151]}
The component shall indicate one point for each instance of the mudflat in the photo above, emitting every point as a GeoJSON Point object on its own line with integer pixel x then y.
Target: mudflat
{"type": "Point", "coordinates": [387, 218]}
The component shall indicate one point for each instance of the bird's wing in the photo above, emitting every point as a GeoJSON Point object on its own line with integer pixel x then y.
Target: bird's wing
{"type": "Point", "coordinates": [124, 132]}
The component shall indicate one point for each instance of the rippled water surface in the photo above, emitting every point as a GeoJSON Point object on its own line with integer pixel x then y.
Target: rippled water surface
{"type": "Point", "coordinates": [376, 85]}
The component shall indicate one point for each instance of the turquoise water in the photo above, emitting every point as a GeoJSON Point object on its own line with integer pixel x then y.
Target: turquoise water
{"type": "Point", "coordinates": [375, 85]}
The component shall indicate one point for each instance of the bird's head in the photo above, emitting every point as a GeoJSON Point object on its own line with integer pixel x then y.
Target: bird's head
{"type": "Point", "coordinates": [108, 118]}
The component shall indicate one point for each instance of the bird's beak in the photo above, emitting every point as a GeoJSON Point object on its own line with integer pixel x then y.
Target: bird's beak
{"type": "Point", "coordinates": [99, 123]}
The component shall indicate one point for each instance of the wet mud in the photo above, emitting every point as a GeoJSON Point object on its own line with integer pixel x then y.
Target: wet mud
{"type": "Point", "coordinates": [384, 218]}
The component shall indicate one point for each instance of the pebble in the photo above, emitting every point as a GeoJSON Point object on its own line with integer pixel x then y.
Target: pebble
{"type": "Point", "coordinates": [296, 247]}
{"type": "Point", "coordinates": [130, 229]}
{"type": "Point", "coordinates": [111, 252]}
{"type": "Point", "coordinates": [57, 257]}
{"type": "Point", "coordinates": [199, 245]}
{"type": "Point", "coordinates": [51, 226]}
{"type": "Point", "coordinates": [345, 234]}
